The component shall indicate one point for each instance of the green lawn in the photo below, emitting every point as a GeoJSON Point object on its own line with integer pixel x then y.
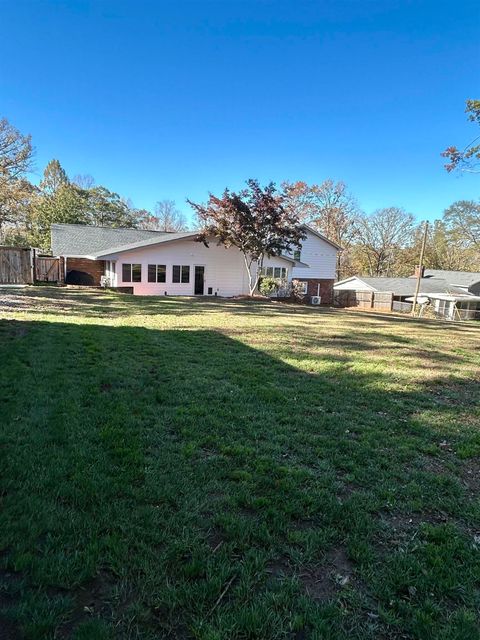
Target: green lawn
{"type": "Point", "coordinates": [225, 470]}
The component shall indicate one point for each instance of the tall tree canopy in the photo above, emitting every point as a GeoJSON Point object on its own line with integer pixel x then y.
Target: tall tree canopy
{"type": "Point", "coordinates": [54, 177]}
{"type": "Point", "coordinates": [467, 159]}
{"type": "Point", "coordinates": [108, 209]}
{"type": "Point", "coordinates": [463, 221]}
{"type": "Point", "coordinates": [327, 207]}
{"type": "Point", "coordinates": [62, 201]}
{"type": "Point", "coordinates": [381, 237]}
{"type": "Point", "coordinates": [256, 220]}
{"type": "Point", "coordinates": [16, 154]}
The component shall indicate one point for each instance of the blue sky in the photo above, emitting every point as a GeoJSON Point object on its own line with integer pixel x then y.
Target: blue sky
{"type": "Point", "coordinates": [175, 99]}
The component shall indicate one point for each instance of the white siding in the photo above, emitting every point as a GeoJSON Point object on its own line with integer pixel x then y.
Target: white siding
{"type": "Point", "coordinates": [225, 269]}
{"type": "Point", "coordinates": [353, 284]}
{"type": "Point", "coordinates": [320, 256]}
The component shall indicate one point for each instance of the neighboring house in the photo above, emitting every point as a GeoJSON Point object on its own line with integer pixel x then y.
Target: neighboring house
{"type": "Point", "coordinates": [449, 299]}
{"type": "Point", "coordinates": [469, 281]}
{"type": "Point", "coordinates": [162, 263]}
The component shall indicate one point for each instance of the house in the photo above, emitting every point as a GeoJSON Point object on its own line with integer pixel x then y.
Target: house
{"type": "Point", "coordinates": [453, 294]}
{"type": "Point", "coordinates": [163, 263]}
{"type": "Point", "coordinates": [469, 281]}
{"type": "Point", "coordinates": [462, 298]}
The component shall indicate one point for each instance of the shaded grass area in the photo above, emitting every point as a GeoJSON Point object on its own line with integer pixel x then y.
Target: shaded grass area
{"type": "Point", "coordinates": [220, 470]}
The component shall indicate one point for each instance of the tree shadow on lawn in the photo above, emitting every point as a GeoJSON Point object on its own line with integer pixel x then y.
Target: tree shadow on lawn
{"type": "Point", "coordinates": [91, 302]}
{"type": "Point", "coordinates": [99, 303]}
{"type": "Point", "coordinates": [182, 484]}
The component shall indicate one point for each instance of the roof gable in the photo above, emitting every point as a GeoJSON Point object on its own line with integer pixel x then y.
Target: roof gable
{"type": "Point", "coordinates": [86, 241]}
{"type": "Point", "coordinates": [321, 236]}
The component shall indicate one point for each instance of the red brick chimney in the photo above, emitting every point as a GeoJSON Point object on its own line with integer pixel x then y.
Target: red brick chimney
{"type": "Point", "coordinates": [420, 270]}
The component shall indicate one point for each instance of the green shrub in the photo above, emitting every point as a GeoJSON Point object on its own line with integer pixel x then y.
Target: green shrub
{"type": "Point", "coordinates": [268, 286]}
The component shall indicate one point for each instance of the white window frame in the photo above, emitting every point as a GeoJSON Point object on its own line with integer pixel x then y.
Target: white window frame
{"type": "Point", "coordinates": [269, 272]}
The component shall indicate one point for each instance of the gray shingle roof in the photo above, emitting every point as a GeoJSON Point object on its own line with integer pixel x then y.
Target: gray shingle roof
{"type": "Point", "coordinates": [97, 242]}
{"type": "Point", "coordinates": [463, 278]}
{"type": "Point", "coordinates": [82, 240]}
{"type": "Point", "coordinates": [161, 237]}
{"type": "Point", "coordinates": [406, 286]}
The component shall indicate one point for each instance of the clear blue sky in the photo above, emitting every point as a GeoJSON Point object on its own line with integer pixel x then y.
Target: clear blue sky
{"type": "Point", "coordinates": [173, 99]}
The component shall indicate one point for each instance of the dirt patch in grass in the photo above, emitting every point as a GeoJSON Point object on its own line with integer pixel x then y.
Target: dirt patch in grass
{"type": "Point", "coordinates": [8, 629]}
{"type": "Point", "coordinates": [398, 529]}
{"type": "Point", "coordinates": [470, 476]}
{"type": "Point", "coordinates": [10, 582]}
{"type": "Point", "coordinates": [323, 582]}
{"type": "Point", "coordinates": [215, 539]}
{"type": "Point", "coordinates": [90, 600]}
{"type": "Point", "coordinates": [279, 568]}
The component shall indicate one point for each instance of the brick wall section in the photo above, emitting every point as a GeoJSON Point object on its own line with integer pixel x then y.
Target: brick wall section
{"type": "Point", "coordinates": [95, 268]}
{"type": "Point", "coordinates": [326, 289]}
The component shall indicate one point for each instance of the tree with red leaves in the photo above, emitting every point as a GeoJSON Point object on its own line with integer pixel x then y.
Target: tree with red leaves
{"type": "Point", "coordinates": [469, 158]}
{"type": "Point", "coordinates": [255, 220]}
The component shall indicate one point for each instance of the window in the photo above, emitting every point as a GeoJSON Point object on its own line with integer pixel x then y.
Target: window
{"type": "Point", "coordinates": [131, 272]}
{"type": "Point", "coordinates": [274, 272]}
{"type": "Point", "coordinates": [136, 272]}
{"type": "Point", "coordinates": [157, 273]}
{"type": "Point", "coordinates": [181, 273]}
{"type": "Point", "coordinates": [297, 255]}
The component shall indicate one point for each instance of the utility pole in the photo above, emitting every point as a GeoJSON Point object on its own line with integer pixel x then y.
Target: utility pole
{"type": "Point", "coordinates": [420, 268]}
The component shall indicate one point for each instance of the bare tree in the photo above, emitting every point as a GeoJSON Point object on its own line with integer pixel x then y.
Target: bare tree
{"type": "Point", "coordinates": [381, 236]}
{"type": "Point", "coordinates": [327, 207]}
{"type": "Point", "coordinates": [166, 217]}
{"type": "Point", "coordinates": [84, 181]}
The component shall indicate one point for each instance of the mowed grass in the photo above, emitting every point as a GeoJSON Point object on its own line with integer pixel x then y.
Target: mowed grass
{"type": "Point", "coordinates": [226, 470]}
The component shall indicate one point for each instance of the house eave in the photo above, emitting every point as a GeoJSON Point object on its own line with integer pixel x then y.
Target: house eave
{"type": "Point", "coordinates": [321, 236]}
{"type": "Point", "coordinates": [140, 245]}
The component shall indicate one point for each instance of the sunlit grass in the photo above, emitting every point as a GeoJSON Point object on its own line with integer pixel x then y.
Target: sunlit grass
{"type": "Point", "coordinates": [221, 469]}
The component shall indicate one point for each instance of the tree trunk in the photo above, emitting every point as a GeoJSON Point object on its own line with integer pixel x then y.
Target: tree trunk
{"type": "Point", "coordinates": [252, 279]}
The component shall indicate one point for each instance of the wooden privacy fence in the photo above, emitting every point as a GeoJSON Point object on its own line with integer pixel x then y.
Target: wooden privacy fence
{"type": "Point", "coordinates": [48, 269]}
{"type": "Point", "coordinates": [24, 265]}
{"type": "Point", "coordinates": [16, 266]}
{"type": "Point", "coordinates": [378, 300]}
{"type": "Point", "coordinates": [382, 300]}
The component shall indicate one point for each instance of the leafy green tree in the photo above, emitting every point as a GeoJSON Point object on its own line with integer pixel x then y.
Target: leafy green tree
{"type": "Point", "coordinates": [54, 177]}
{"type": "Point", "coordinates": [108, 209]}
{"type": "Point", "coordinates": [462, 219]}
{"type": "Point", "coordinates": [445, 251]}
{"type": "Point", "coordinates": [57, 201]}
{"type": "Point", "coordinates": [61, 201]}
{"type": "Point", "coordinates": [16, 154]}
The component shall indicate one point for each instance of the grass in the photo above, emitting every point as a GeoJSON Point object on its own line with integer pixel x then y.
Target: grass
{"type": "Point", "coordinates": [226, 470]}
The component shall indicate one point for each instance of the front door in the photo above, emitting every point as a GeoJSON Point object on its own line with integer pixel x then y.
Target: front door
{"type": "Point", "coordinates": [199, 281]}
